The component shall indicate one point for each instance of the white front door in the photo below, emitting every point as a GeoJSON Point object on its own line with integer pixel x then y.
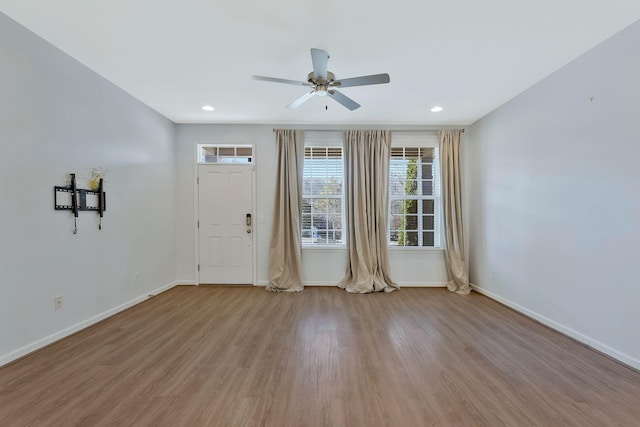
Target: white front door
{"type": "Point", "coordinates": [225, 206]}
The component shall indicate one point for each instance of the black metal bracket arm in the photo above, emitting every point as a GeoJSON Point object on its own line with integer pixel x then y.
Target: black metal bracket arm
{"type": "Point", "coordinates": [78, 200]}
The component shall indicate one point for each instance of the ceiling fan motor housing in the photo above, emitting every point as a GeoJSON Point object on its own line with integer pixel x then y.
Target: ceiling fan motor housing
{"type": "Point", "coordinates": [311, 78]}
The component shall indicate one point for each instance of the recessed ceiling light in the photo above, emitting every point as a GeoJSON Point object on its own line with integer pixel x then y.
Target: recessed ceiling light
{"type": "Point", "coordinates": [436, 109]}
{"type": "Point", "coordinates": [207, 108]}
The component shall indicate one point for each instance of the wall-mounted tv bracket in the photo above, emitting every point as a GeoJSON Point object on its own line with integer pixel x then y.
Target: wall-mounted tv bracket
{"type": "Point", "coordinates": [71, 198]}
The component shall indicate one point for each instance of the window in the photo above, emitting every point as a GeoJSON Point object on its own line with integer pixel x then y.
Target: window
{"type": "Point", "coordinates": [237, 154]}
{"type": "Point", "coordinates": [322, 192]}
{"type": "Point", "coordinates": [414, 193]}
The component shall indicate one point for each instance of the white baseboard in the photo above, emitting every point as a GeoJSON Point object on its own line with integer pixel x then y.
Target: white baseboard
{"type": "Point", "coordinates": [321, 284]}
{"type": "Point", "coordinates": [264, 283]}
{"type": "Point", "coordinates": [184, 283]}
{"type": "Point", "coordinates": [596, 345]}
{"type": "Point", "coordinates": [422, 284]}
{"type": "Point", "coordinates": [29, 348]}
{"type": "Point", "coordinates": [401, 284]}
{"type": "Point", "coordinates": [153, 293]}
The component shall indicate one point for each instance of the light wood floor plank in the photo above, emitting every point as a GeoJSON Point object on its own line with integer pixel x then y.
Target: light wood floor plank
{"type": "Point", "coordinates": [241, 356]}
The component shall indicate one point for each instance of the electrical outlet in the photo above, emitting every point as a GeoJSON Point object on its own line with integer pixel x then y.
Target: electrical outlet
{"type": "Point", "coordinates": [136, 277]}
{"type": "Point", "coordinates": [57, 302]}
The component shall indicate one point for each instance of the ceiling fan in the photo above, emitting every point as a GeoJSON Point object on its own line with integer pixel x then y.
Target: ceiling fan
{"type": "Point", "coordinates": [324, 82]}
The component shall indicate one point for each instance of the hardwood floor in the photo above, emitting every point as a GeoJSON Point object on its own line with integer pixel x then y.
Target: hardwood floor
{"type": "Point", "coordinates": [241, 356]}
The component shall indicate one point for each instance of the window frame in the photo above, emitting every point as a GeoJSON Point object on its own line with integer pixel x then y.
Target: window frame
{"type": "Point", "coordinates": [235, 147]}
{"type": "Point", "coordinates": [327, 139]}
{"type": "Point", "coordinates": [419, 140]}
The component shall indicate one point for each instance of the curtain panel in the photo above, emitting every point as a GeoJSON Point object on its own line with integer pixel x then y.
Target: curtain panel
{"type": "Point", "coordinates": [366, 181]}
{"type": "Point", "coordinates": [285, 251]}
{"type": "Point", "coordinates": [449, 141]}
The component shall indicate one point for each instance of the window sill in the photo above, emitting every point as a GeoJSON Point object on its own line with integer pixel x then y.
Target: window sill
{"type": "Point", "coordinates": [391, 248]}
{"type": "Point", "coordinates": [415, 249]}
{"type": "Point", "coordinates": [326, 248]}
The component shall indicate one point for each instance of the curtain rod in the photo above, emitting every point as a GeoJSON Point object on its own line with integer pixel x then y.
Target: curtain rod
{"type": "Point", "coordinates": [342, 130]}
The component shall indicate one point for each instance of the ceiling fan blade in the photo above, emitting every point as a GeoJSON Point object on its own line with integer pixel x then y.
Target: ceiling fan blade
{"type": "Point", "coordinates": [276, 80]}
{"type": "Point", "coordinates": [301, 100]}
{"type": "Point", "coordinates": [343, 99]}
{"type": "Point", "coordinates": [320, 58]}
{"type": "Point", "coordinates": [374, 79]}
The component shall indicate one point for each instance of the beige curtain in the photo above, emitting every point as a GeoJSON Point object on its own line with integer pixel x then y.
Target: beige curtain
{"type": "Point", "coordinates": [366, 159]}
{"type": "Point", "coordinates": [286, 246]}
{"type": "Point", "coordinates": [452, 211]}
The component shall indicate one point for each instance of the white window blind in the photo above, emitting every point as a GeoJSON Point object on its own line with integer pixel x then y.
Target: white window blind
{"type": "Point", "coordinates": [322, 191]}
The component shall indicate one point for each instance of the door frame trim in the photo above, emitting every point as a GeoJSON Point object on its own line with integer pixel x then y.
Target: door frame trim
{"type": "Point", "coordinates": [196, 210]}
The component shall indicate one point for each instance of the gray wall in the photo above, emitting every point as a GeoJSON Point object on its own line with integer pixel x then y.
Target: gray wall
{"type": "Point", "coordinates": [57, 117]}
{"type": "Point", "coordinates": [554, 209]}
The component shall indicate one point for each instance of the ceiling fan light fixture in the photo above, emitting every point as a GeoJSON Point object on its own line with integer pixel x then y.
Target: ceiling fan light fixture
{"type": "Point", "coordinates": [321, 90]}
{"type": "Point", "coordinates": [436, 109]}
{"type": "Point", "coordinates": [207, 108]}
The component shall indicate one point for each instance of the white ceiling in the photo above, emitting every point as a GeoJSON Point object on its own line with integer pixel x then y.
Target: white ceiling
{"type": "Point", "coordinates": [468, 56]}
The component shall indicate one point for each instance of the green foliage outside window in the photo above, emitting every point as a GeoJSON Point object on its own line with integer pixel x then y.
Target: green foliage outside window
{"type": "Point", "coordinates": [409, 207]}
